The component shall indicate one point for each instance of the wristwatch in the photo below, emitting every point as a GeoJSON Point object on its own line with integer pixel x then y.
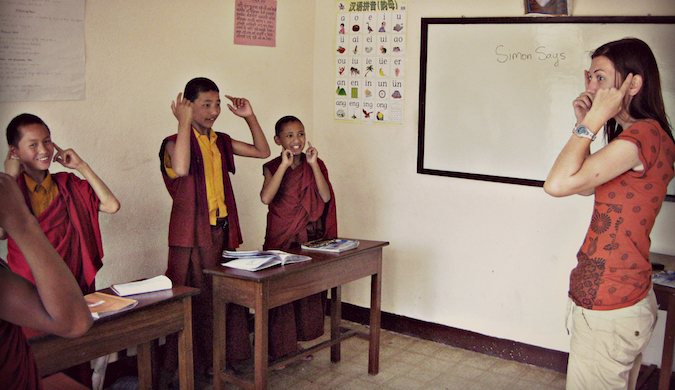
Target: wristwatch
{"type": "Point", "coordinates": [582, 131]}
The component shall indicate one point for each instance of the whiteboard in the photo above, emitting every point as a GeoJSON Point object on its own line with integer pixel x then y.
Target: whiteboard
{"type": "Point", "coordinates": [496, 93]}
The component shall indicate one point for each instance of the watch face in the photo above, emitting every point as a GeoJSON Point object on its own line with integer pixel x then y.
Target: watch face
{"type": "Point", "coordinates": [582, 131]}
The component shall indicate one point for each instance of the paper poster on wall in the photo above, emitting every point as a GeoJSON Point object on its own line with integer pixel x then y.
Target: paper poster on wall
{"type": "Point", "coordinates": [41, 50]}
{"type": "Point", "coordinates": [370, 50]}
{"type": "Point", "coordinates": [255, 23]}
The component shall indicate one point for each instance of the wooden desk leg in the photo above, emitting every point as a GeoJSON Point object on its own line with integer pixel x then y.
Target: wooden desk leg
{"type": "Point", "coordinates": [219, 329]}
{"type": "Point", "coordinates": [375, 322]}
{"type": "Point", "coordinates": [335, 321]}
{"type": "Point", "coordinates": [144, 361]}
{"type": "Point", "coordinates": [185, 349]}
{"type": "Point", "coordinates": [261, 334]}
{"type": "Point", "coordinates": [668, 339]}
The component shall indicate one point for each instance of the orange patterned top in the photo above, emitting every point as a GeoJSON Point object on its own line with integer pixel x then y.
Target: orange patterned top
{"type": "Point", "coordinates": [613, 269]}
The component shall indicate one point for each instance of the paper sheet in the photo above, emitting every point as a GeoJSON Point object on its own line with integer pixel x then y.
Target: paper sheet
{"type": "Point", "coordinates": [255, 23]}
{"type": "Point", "coordinates": [42, 50]}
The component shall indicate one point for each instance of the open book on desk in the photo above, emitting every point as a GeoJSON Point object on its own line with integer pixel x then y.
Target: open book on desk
{"type": "Point", "coordinates": [334, 245]}
{"type": "Point", "coordinates": [257, 260]}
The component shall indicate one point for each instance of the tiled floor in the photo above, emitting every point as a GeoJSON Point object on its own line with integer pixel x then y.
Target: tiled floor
{"type": "Point", "coordinates": [408, 363]}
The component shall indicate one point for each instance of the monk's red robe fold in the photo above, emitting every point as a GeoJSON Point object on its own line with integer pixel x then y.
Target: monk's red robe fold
{"type": "Point", "coordinates": [189, 224]}
{"type": "Point", "coordinates": [70, 223]}
{"type": "Point", "coordinates": [195, 245]}
{"type": "Point", "coordinates": [297, 213]}
{"type": "Point", "coordinates": [18, 369]}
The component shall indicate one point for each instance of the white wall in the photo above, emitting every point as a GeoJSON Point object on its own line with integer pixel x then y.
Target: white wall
{"type": "Point", "coordinates": [139, 56]}
{"type": "Point", "coordinates": [487, 257]}
{"type": "Point", "coordinates": [490, 258]}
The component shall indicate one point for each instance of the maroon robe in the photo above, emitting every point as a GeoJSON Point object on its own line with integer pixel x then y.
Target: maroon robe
{"type": "Point", "coordinates": [296, 215]}
{"type": "Point", "coordinates": [18, 369]}
{"type": "Point", "coordinates": [297, 212]}
{"type": "Point", "coordinates": [189, 224]}
{"type": "Point", "coordinates": [195, 245]}
{"type": "Point", "coordinates": [70, 223]}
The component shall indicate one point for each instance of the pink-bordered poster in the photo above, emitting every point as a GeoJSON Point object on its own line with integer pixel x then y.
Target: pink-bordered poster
{"type": "Point", "coordinates": [255, 23]}
{"type": "Point", "coordinates": [370, 50]}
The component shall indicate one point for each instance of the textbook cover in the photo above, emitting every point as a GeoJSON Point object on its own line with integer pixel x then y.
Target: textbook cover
{"type": "Point", "coordinates": [102, 304]}
{"type": "Point", "coordinates": [334, 245]}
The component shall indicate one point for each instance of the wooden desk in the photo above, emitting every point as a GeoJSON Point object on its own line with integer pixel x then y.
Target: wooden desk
{"type": "Point", "coordinates": [265, 289]}
{"type": "Point", "coordinates": [157, 314]}
{"type": "Point", "coordinates": [665, 296]}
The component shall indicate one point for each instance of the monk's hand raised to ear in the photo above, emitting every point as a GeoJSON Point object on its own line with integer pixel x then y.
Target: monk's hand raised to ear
{"type": "Point", "coordinates": [182, 109]}
{"type": "Point", "coordinates": [13, 166]}
{"type": "Point", "coordinates": [240, 107]}
{"type": "Point", "coordinates": [286, 158]}
{"type": "Point", "coordinates": [68, 158]}
{"type": "Point", "coordinates": [312, 154]}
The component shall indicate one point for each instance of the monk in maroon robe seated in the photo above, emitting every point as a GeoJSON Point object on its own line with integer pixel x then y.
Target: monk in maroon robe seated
{"type": "Point", "coordinates": [66, 206]}
{"type": "Point", "coordinates": [301, 208]}
{"type": "Point", "coordinates": [53, 304]}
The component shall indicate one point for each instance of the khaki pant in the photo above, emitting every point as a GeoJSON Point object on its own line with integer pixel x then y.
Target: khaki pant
{"type": "Point", "coordinates": [606, 347]}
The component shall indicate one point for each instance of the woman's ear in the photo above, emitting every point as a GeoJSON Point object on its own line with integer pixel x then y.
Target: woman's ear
{"type": "Point", "coordinates": [635, 85]}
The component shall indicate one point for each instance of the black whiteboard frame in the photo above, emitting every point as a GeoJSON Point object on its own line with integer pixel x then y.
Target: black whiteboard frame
{"type": "Point", "coordinates": [505, 20]}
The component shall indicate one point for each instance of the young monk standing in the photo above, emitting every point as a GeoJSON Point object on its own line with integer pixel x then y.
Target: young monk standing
{"type": "Point", "coordinates": [301, 208]}
{"type": "Point", "coordinates": [196, 163]}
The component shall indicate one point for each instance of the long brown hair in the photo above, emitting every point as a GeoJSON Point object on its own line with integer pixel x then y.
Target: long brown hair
{"type": "Point", "coordinates": [632, 55]}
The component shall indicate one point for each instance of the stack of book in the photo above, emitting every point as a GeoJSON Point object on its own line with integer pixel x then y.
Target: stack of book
{"type": "Point", "coordinates": [334, 245]}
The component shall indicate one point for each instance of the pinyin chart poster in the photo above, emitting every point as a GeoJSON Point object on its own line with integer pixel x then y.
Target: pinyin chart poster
{"type": "Point", "coordinates": [370, 50]}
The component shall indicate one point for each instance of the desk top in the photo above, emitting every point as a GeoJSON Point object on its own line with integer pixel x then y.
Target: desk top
{"type": "Point", "coordinates": [668, 262]}
{"type": "Point", "coordinates": [151, 299]}
{"type": "Point", "coordinates": [318, 258]}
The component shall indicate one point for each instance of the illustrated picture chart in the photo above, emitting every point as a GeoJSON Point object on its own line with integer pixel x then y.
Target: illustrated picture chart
{"type": "Point", "coordinates": [370, 50]}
